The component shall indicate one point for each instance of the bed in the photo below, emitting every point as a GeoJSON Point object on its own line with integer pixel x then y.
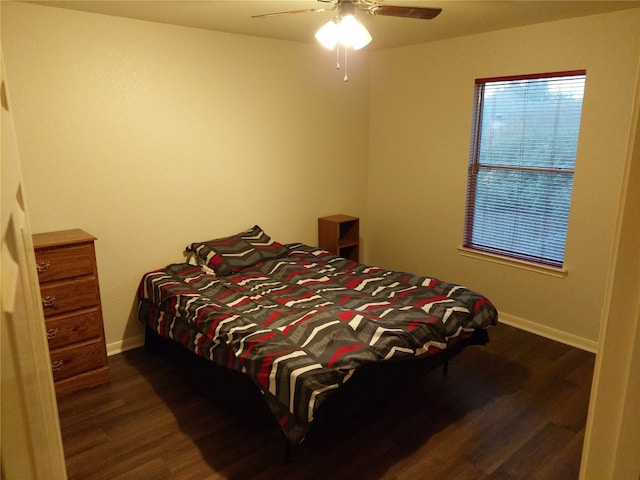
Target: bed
{"type": "Point", "coordinates": [301, 335]}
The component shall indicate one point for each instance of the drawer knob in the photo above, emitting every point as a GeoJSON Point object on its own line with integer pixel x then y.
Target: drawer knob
{"type": "Point", "coordinates": [43, 266]}
{"type": "Point", "coordinates": [48, 301]}
{"type": "Point", "coordinates": [56, 365]}
{"type": "Point", "coordinates": [52, 333]}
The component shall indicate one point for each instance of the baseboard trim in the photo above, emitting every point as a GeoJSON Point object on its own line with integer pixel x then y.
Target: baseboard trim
{"type": "Point", "coordinates": [549, 332]}
{"type": "Point", "coordinates": [124, 345]}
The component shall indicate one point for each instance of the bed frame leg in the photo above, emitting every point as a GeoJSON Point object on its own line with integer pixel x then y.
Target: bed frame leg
{"type": "Point", "coordinates": [445, 368]}
{"type": "Point", "coordinates": [287, 452]}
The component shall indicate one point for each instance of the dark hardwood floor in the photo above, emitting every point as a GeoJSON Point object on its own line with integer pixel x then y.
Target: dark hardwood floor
{"type": "Point", "coordinates": [514, 409]}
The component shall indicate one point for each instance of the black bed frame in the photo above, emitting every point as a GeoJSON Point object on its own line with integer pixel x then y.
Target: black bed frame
{"type": "Point", "coordinates": [377, 382]}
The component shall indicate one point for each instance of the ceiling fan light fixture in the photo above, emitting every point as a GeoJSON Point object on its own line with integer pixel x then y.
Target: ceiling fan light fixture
{"type": "Point", "coordinates": [353, 33]}
{"type": "Point", "coordinates": [346, 30]}
{"type": "Point", "coordinates": [328, 34]}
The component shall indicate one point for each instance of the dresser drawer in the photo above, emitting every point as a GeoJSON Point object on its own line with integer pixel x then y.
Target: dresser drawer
{"type": "Point", "coordinates": [58, 263]}
{"type": "Point", "coordinates": [69, 295]}
{"type": "Point", "coordinates": [69, 361]}
{"type": "Point", "coordinates": [74, 328]}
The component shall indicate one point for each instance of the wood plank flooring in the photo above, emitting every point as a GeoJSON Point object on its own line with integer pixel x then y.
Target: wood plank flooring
{"type": "Point", "coordinates": [514, 409]}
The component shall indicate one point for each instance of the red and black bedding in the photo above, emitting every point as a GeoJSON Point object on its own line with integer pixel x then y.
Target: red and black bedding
{"type": "Point", "coordinates": [300, 321]}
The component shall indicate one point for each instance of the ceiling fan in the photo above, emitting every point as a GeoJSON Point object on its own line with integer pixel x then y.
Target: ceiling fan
{"type": "Point", "coordinates": [372, 7]}
{"type": "Point", "coordinates": [345, 30]}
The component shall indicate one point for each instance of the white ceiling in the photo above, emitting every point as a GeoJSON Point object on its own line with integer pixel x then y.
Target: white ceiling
{"type": "Point", "coordinates": [458, 18]}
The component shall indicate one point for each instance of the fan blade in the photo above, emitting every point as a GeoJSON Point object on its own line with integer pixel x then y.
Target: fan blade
{"type": "Point", "coordinates": [423, 13]}
{"type": "Point", "coordinates": [291, 12]}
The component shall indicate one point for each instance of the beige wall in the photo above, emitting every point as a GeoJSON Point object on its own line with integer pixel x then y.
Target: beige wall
{"type": "Point", "coordinates": [421, 105]}
{"type": "Point", "coordinates": [152, 136]}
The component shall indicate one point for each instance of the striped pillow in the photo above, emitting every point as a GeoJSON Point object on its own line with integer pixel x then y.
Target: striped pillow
{"type": "Point", "coordinates": [231, 254]}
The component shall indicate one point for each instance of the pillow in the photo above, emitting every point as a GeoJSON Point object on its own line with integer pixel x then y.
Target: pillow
{"type": "Point", "coordinates": [233, 253]}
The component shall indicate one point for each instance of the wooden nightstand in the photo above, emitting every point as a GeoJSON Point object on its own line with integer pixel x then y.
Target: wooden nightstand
{"type": "Point", "coordinates": [340, 234]}
{"type": "Point", "coordinates": [70, 293]}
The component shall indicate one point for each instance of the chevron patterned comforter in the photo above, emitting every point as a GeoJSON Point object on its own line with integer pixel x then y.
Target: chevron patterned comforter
{"type": "Point", "coordinates": [300, 325]}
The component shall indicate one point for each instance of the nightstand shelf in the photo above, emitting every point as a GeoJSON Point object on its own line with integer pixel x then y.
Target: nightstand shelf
{"type": "Point", "coordinates": [340, 234]}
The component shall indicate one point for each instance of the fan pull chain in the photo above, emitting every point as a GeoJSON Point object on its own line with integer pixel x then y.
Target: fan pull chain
{"type": "Point", "coordinates": [346, 66]}
{"type": "Point", "coordinates": [346, 63]}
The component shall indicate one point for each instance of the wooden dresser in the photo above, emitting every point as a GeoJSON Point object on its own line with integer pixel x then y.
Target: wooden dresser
{"type": "Point", "coordinates": [70, 293]}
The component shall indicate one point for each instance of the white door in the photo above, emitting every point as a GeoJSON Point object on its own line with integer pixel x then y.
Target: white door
{"type": "Point", "coordinates": [30, 442]}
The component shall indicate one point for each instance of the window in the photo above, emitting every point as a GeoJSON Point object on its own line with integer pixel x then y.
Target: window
{"type": "Point", "coordinates": [523, 151]}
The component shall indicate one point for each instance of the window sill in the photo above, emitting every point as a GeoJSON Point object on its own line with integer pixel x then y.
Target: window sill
{"type": "Point", "coordinates": [512, 262]}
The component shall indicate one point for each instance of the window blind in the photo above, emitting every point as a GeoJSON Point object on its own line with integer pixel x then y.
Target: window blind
{"type": "Point", "coordinates": [522, 161]}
